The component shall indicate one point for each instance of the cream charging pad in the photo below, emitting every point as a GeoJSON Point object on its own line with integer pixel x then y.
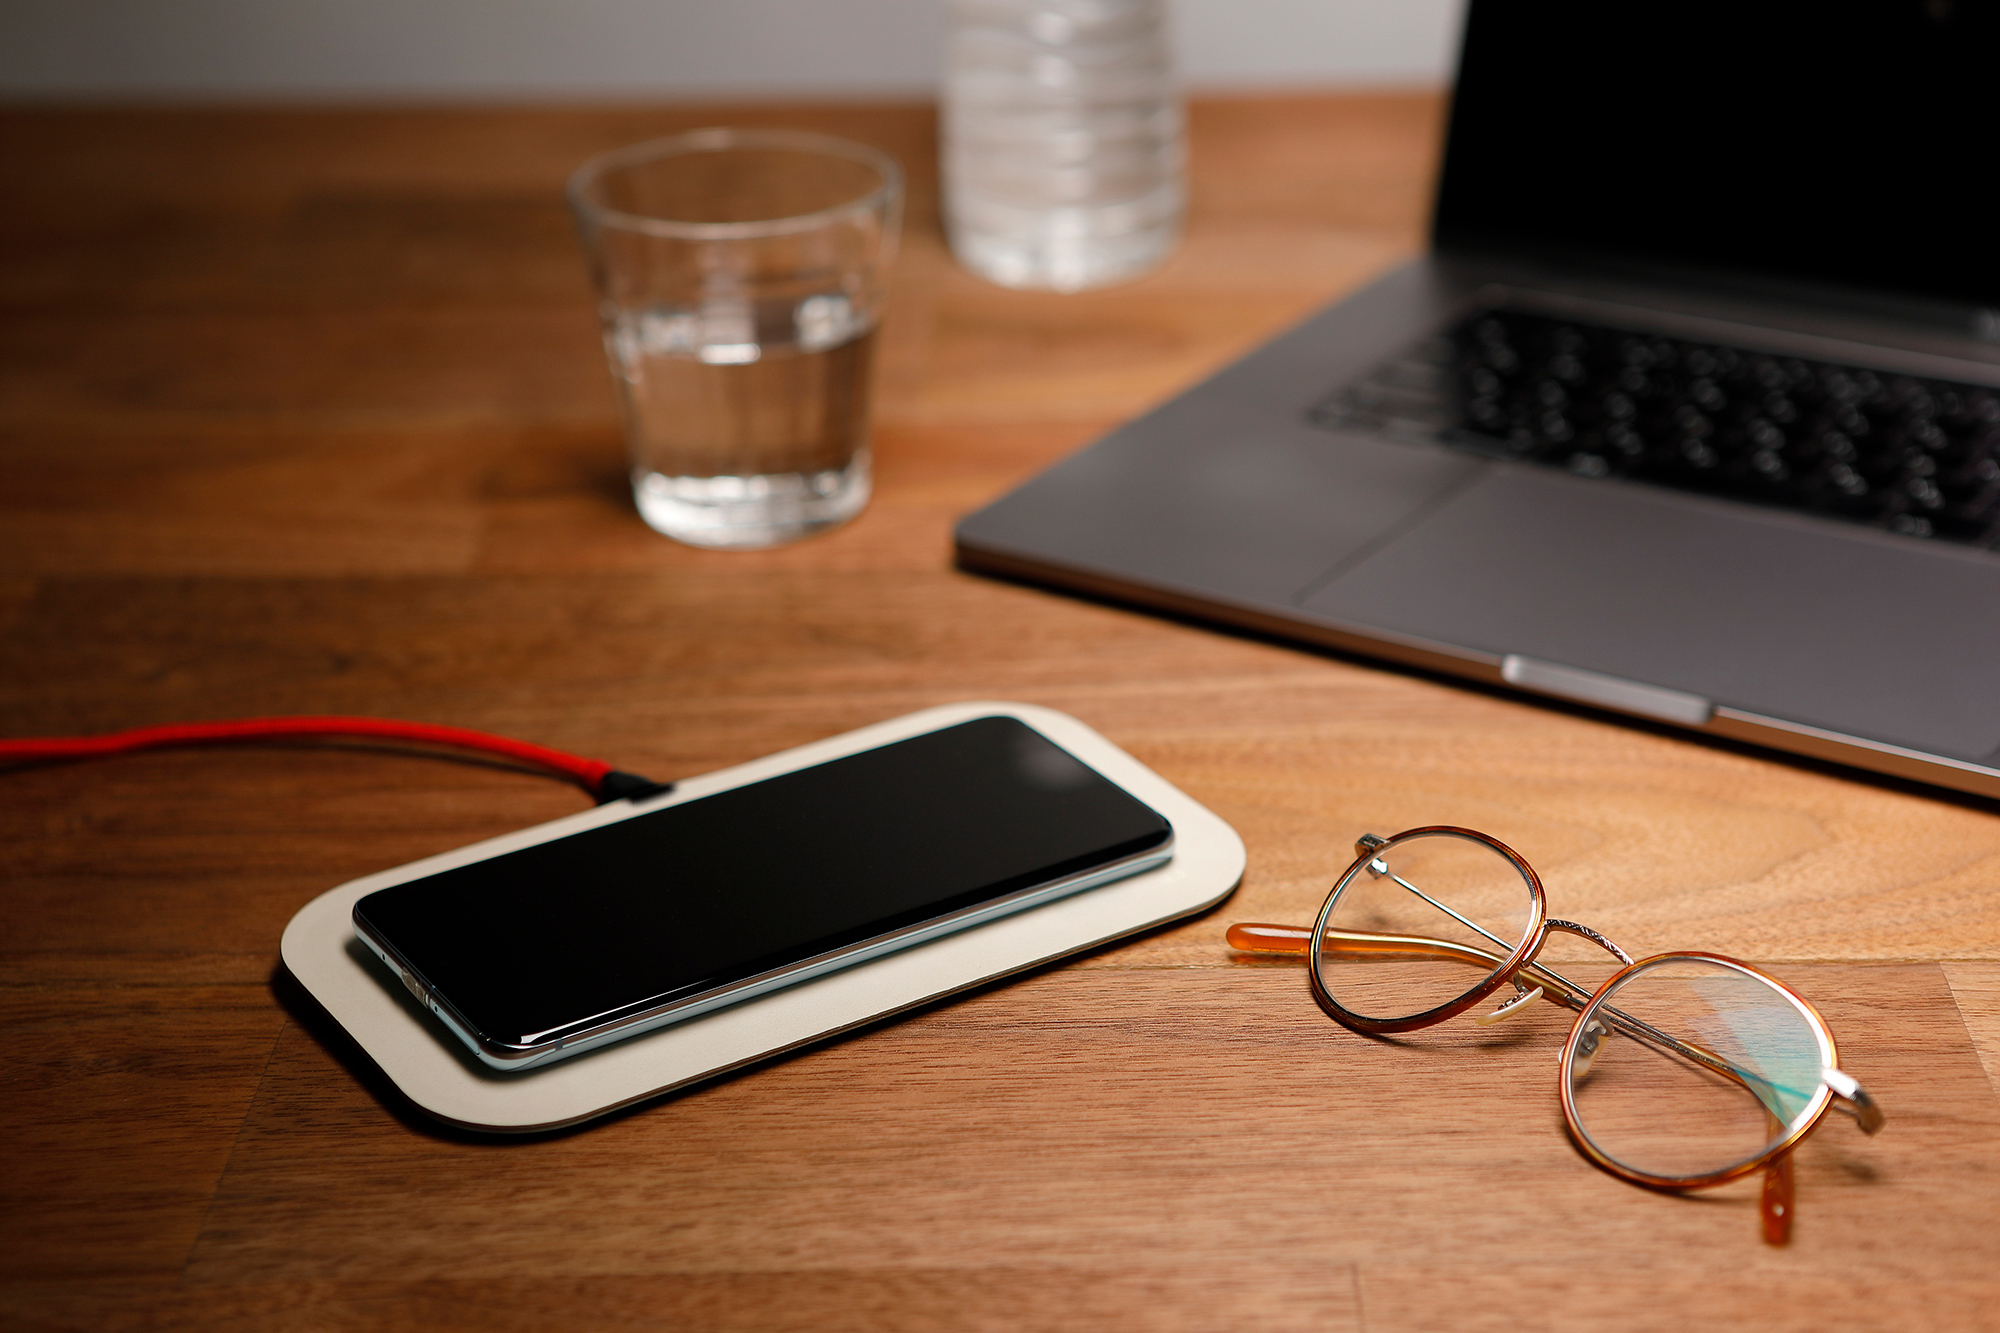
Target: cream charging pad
{"type": "Point", "coordinates": [440, 1075]}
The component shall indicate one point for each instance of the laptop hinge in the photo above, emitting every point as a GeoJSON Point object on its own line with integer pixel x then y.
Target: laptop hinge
{"type": "Point", "coordinates": [1591, 687]}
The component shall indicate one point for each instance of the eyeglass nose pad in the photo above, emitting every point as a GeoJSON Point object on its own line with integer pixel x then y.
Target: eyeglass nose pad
{"type": "Point", "coordinates": [1508, 1010]}
{"type": "Point", "coordinates": [1587, 1048]}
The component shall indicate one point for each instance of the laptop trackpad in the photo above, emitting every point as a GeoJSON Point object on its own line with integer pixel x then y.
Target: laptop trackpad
{"type": "Point", "coordinates": [1863, 635]}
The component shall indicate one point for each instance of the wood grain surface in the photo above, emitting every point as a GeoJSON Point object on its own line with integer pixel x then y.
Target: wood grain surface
{"type": "Point", "coordinates": [304, 411]}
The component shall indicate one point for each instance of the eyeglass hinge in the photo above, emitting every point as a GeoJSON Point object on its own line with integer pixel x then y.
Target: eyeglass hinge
{"type": "Point", "coordinates": [1854, 1099]}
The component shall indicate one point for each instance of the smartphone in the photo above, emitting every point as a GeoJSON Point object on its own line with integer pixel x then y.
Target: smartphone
{"type": "Point", "coordinates": [566, 945]}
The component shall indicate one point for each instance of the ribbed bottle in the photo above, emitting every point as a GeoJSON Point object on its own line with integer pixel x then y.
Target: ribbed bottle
{"type": "Point", "coordinates": [1063, 146]}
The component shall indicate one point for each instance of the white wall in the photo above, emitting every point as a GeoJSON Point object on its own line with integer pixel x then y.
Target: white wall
{"type": "Point", "coordinates": [484, 49]}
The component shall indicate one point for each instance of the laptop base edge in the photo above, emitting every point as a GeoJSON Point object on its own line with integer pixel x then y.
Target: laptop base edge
{"type": "Point", "coordinates": [1484, 669]}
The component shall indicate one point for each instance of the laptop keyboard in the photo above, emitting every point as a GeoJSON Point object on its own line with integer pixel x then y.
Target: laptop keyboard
{"type": "Point", "coordinates": [1911, 455]}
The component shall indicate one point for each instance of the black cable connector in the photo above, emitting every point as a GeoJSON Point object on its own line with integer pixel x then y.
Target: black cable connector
{"type": "Point", "coordinates": [618, 785]}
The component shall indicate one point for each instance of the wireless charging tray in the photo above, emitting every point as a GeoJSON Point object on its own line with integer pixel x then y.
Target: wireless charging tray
{"type": "Point", "coordinates": [436, 1072]}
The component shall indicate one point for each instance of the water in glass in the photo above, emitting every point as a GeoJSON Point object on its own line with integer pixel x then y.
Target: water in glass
{"type": "Point", "coordinates": [748, 425]}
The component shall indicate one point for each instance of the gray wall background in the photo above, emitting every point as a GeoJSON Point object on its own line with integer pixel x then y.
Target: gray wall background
{"type": "Point", "coordinates": [425, 50]}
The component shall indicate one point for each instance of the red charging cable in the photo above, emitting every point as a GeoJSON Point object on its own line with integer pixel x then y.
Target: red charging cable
{"type": "Point", "coordinates": [600, 779]}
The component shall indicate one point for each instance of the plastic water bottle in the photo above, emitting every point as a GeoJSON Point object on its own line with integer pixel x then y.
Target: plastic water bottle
{"type": "Point", "coordinates": [1063, 147]}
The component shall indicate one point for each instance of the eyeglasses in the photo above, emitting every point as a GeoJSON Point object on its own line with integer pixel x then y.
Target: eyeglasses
{"type": "Point", "coordinates": [1683, 1071]}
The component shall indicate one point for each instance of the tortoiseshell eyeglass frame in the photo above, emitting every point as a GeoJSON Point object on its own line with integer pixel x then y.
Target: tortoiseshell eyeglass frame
{"type": "Point", "coordinates": [1530, 980]}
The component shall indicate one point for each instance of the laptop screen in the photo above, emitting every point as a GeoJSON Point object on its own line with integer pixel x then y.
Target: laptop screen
{"type": "Point", "coordinates": [1843, 141]}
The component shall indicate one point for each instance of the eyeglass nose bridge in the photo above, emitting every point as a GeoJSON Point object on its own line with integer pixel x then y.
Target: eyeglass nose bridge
{"type": "Point", "coordinates": [1585, 932]}
{"type": "Point", "coordinates": [1531, 971]}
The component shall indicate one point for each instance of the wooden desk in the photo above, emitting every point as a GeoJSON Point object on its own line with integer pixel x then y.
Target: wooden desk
{"type": "Point", "coordinates": [304, 412]}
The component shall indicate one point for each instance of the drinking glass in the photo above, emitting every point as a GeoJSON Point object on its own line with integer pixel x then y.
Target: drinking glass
{"type": "Point", "coordinates": [1682, 1071]}
{"type": "Point", "coordinates": [740, 278]}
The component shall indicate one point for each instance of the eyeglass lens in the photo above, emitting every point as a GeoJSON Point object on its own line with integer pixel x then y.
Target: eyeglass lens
{"type": "Point", "coordinates": [1425, 920]}
{"type": "Point", "coordinates": [1689, 1067]}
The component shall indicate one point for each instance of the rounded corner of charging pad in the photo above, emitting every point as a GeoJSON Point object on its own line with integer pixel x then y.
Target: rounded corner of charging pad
{"type": "Point", "coordinates": [436, 1072]}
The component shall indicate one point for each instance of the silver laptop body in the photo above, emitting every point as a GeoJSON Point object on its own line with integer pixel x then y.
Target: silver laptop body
{"type": "Point", "coordinates": [1317, 489]}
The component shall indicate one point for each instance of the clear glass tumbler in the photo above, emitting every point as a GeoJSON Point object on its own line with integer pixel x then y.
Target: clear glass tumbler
{"type": "Point", "coordinates": [741, 278]}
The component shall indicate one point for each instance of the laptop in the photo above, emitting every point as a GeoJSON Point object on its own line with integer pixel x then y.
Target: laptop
{"type": "Point", "coordinates": [1690, 413]}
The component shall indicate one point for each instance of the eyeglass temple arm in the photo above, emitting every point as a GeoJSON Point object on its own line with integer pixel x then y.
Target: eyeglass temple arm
{"type": "Point", "coordinates": [1848, 1094]}
{"type": "Point", "coordinates": [1775, 1200]}
{"type": "Point", "coordinates": [1258, 937]}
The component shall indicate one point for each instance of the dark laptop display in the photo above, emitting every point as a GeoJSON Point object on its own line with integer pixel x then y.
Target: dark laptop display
{"type": "Point", "coordinates": [1692, 412]}
{"type": "Point", "coordinates": [1845, 142]}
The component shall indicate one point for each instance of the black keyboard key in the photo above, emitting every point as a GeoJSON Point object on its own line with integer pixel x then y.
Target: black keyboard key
{"type": "Point", "coordinates": [1915, 456]}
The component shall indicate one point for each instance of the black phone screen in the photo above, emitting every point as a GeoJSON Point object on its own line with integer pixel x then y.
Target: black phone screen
{"type": "Point", "coordinates": [667, 905]}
